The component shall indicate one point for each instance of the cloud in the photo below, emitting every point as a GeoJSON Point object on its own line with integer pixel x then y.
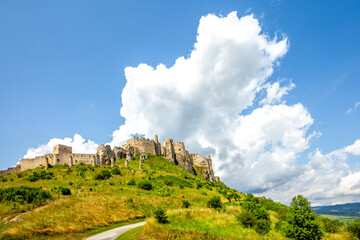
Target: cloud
{"type": "Point", "coordinates": [221, 101]}
{"type": "Point", "coordinates": [327, 178]}
{"type": "Point", "coordinates": [202, 95]}
{"type": "Point", "coordinates": [77, 143]}
{"type": "Point", "coordinates": [275, 93]}
{"type": "Point", "coordinates": [201, 100]}
{"type": "Point", "coordinates": [353, 109]}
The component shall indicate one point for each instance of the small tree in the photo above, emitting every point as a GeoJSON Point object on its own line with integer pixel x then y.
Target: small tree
{"type": "Point", "coordinates": [214, 202]}
{"type": "Point", "coordinates": [146, 185]}
{"type": "Point", "coordinates": [160, 216]}
{"type": "Point", "coordinates": [115, 171]}
{"type": "Point", "coordinates": [354, 228]}
{"type": "Point", "coordinates": [185, 204]}
{"type": "Point", "coordinates": [301, 223]}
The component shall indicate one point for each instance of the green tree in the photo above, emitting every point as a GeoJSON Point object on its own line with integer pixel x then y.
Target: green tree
{"type": "Point", "coordinates": [214, 202]}
{"type": "Point", "coordinates": [301, 221]}
{"type": "Point", "coordinates": [160, 216]}
{"type": "Point", "coordinates": [354, 228]}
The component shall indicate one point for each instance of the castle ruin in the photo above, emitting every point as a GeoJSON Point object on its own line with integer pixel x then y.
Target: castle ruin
{"type": "Point", "coordinates": [173, 151]}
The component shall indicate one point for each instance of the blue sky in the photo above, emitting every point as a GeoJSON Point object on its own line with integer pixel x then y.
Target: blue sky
{"type": "Point", "coordinates": [62, 66]}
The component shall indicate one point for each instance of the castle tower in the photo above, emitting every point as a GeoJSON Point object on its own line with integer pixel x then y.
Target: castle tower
{"type": "Point", "coordinates": [156, 138]}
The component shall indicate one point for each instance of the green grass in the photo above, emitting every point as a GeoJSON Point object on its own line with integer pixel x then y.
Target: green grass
{"type": "Point", "coordinates": [98, 204]}
{"type": "Point", "coordinates": [339, 218]}
{"type": "Point", "coordinates": [132, 234]}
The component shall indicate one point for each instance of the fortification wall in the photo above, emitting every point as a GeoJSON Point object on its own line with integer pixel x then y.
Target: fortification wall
{"type": "Point", "coordinates": [31, 163]}
{"type": "Point", "coordinates": [173, 151]}
{"type": "Point", "coordinates": [11, 170]}
{"type": "Point", "coordinates": [84, 158]}
{"type": "Point", "coordinates": [143, 145]}
{"type": "Point", "coordinates": [58, 149]}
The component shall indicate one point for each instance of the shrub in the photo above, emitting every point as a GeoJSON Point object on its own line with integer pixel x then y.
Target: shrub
{"type": "Point", "coordinates": [24, 195]}
{"type": "Point", "coordinates": [168, 182]}
{"type": "Point", "coordinates": [115, 171]}
{"type": "Point", "coordinates": [354, 227]}
{"type": "Point", "coordinates": [64, 190]}
{"type": "Point", "coordinates": [3, 179]}
{"type": "Point", "coordinates": [262, 226]}
{"type": "Point", "coordinates": [35, 176]}
{"type": "Point", "coordinates": [214, 202]}
{"type": "Point", "coordinates": [199, 185]}
{"type": "Point", "coordinates": [185, 204]}
{"type": "Point", "coordinates": [246, 218]}
{"type": "Point", "coordinates": [301, 223]}
{"type": "Point", "coordinates": [164, 192]}
{"type": "Point", "coordinates": [146, 185]}
{"type": "Point", "coordinates": [71, 183]}
{"type": "Point", "coordinates": [330, 226]}
{"type": "Point", "coordinates": [131, 181]}
{"type": "Point", "coordinates": [160, 216]}
{"type": "Point", "coordinates": [103, 175]}
{"type": "Point", "coordinates": [181, 186]}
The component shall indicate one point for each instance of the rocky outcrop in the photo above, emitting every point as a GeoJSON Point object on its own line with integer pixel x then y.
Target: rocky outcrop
{"type": "Point", "coordinates": [105, 154]}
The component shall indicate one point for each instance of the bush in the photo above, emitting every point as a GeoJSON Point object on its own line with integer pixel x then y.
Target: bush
{"type": "Point", "coordinates": [24, 195]}
{"type": "Point", "coordinates": [64, 191]}
{"type": "Point", "coordinates": [168, 182]}
{"type": "Point", "coordinates": [160, 216]}
{"type": "Point", "coordinates": [354, 227]}
{"type": "Point", "coordinates": [181, 186]}
{"type": "Point", "coordinates": [164, 192]}
{"type": "Point", "coordinates": [131, 181]}
{"type": "Point", "coordinates": [247, 219]}
{"type": "Point", "coordinates": [185, 204]}
{"type": "Point", "coordinates": [146, 185]}
{"type": "Point", "coordinates": [301, 223]}
{"type": "Point", "coordinates": [330, 226]}
{"type": "Point", "coordinates": [35, 176]}
{"type": "Point", "coordinates": [262, 226]}
{"type": "Point", "coordinates": [115, 171]}
{"type": "Point", "coordinates": [3, 179]}
{"type": "Point", "coordinates": [103, 175]}
{"type": "Point", "coordinates": [214, 202]}
{"type": "Point", "coordinates": [199, 185]}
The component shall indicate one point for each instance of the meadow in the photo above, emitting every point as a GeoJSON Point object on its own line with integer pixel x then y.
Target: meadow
{"type": "Point", "coordinates": [75, 202]}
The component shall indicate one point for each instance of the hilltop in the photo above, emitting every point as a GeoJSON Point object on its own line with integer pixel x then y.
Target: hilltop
{"type": "Point", "coordinates": [73, 202]}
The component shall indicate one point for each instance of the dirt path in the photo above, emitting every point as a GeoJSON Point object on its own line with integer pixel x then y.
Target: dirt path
{"type": "Point", "coordinates": [114, 233]}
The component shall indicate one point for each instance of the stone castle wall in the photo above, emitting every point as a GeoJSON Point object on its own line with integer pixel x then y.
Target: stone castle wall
{"type": "Point", "coordinates": [143, 145]}
{"type": "Point", "coordinates": [17, 168]}
{"type": "Point", "coordinates": [173, 151]}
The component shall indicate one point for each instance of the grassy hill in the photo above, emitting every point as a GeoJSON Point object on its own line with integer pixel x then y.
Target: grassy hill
{"type": "Point", "coordinates": [76, 202]}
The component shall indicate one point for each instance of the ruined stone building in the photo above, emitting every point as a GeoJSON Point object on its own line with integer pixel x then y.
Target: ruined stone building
{"type": "Point", "coordinates": [173, 151]}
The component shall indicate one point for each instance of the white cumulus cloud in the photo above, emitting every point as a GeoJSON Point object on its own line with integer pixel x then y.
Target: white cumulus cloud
{"type": "Point", "coordinates": [214, 101]}
{"type": "Point", "coordinates": [78, 144]}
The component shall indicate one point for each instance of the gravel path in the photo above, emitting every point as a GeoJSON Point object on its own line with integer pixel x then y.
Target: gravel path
{"type": "Point", "coordinates": [114, 233]}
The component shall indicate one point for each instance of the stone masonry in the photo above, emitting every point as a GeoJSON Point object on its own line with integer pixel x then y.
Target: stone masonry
{"type": "Point", "coordinates": [175, 152]}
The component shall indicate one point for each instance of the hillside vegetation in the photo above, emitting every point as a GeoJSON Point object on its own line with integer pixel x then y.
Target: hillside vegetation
{"type": "Point", "coordinates": [76, 202]}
